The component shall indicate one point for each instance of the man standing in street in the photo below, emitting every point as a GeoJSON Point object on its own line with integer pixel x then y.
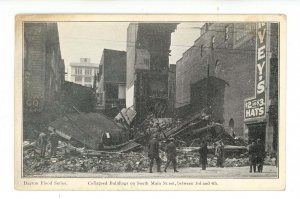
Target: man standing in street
{"type": "Point", "coordinates": [53, 138]}
{"type": "Point", "coordinates": [171, 154]}
{"type": "Point", "coordinates": [220, 154]}
{"type": "Point", "coordinates": [42, 142]}
{"type": "Point", "coordinates": [203, 154]}
{"type": "Point", "coordinates": [260, 155]}
{"type": "Point", "coordinates": [252, 151]}
{"type": "Point", "coordinates": [153, 153]}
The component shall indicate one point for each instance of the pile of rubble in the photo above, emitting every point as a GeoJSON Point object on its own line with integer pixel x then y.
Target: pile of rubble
{"type": "Point", "coordinates": [127, 162]}
{"type": "Point", "coordinates": [193, 160]}
{"type": "Point", "coordinates": [119, 162]}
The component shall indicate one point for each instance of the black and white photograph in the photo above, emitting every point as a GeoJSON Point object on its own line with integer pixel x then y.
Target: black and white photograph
{"type": "Point", "coordinates": [179, 103]}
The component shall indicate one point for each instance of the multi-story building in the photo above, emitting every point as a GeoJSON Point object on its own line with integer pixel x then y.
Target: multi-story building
{"type": "Point", "coordinates": [148, 51]}
{"type": "Point", "coordinates": [44, 74]}
{"type": "Point", "coordinates": [83, 72]}
{"type": "Point", "coordinates": [111, 82]}
{"type": "Point", "coordinates": [218, 73]}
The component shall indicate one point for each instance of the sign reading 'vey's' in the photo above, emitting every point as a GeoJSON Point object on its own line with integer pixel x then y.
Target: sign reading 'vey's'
{"type": "Point", "coordinates": [256, 107]}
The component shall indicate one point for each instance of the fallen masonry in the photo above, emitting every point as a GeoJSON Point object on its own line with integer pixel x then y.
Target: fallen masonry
{"type": "Point", "coordinates": [116, 162]}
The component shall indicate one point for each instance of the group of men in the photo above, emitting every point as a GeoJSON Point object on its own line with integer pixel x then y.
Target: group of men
{"type": "Point", "coordinates": [153, 154]}
{"type": "Point", "coordinates": [257, 155]}
{"type": "Point", "coordinates": [45, 138]}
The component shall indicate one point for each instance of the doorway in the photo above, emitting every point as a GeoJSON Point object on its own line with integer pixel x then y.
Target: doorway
{"type": "Point", "coordinates": [256, 131]}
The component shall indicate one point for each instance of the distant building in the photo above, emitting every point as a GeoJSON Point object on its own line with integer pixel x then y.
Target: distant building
{"type": "Point", "coordinates": [219, 73]}
{"type": "Point", "coordinates": [83, 72]}
{"type": "Point", "coordinates": [44, 74]}
{"type": "Point", "coordinates": [111, 82]}
{"type": "Point", "coordinates": [148, 51]}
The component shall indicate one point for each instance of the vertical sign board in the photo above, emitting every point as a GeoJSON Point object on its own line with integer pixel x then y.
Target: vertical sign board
{"type": "Point", "coordinates": [255, 108]}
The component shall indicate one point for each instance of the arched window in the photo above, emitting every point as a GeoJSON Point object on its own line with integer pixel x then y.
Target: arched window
{"type": "Point", "coordinates": [213, 42]}
{"type": "Point", "coordinates": [217, 66]}
{"type": "Point", "coordinates": [231, 123]}
{"type": "Point", "coordinates": [201, 50]}
{"type": "Point", "coordinates": [226, 33]}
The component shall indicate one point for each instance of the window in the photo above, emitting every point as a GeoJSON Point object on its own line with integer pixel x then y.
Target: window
{"type": "Point", "coordinates": [88, 71]}
{"type": "Point", "coordinates": [213, 42]}
{"type": "Point", "coordinates": [78, 79]}
{"type": "Point", "coordinates": [201, 50]}
{"type": "Point", "coordinates": [88, 79]}
{"type": "Point", "coordinates": [146, 62]}
{"type": "Point", "coordinates": [231, 123]}
{"type": "Point", "coordinates": [217, 66]}
{"type": "Point", "coordinates": [226, 33]}
{"type": "Point", "coordinates": [78, 71]}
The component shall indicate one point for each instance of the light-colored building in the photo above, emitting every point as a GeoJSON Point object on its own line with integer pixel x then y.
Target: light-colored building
{"type": "Point", "coordinates": [83, 72]}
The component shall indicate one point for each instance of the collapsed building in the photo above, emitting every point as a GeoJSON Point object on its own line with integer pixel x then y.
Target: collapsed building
{"type": "Point", "coordinates": [148, 51]}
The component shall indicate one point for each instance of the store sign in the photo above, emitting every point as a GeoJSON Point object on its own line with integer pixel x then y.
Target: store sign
{"type": "Point", "coordinates": [256, 107]}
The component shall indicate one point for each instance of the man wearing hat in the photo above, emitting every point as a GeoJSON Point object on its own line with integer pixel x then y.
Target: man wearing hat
{"type": "Point", "coordinates": [153, 153]}
{"type": "Point", "coordinates": [53, 139]}
{"type": "Point", "coordinates": [260, 155]}
{"type": "Point", "coordinates": [171, 154]}
{"type": "Point", "coordinates": [252, 151]}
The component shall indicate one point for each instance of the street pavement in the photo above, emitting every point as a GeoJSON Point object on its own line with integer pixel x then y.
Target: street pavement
{"type": "Point", "coordinates": [211, 172]}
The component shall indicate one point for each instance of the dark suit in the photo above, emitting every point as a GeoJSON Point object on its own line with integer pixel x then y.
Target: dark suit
{"type": "Point", "coordinates": [260, 156]}
{"type": "Point", "coordinates": [153, 153]}
{"type": "Point", "coordinates": [203, 155]}
{"type": "Point", "coordinates": [53, 138]}
{"type": "Point", "coordinates": [42, 143]}
{"type": "Point", "coordinates": [252, 151]}
{"type": "Point", "coordinates": [171, 155]}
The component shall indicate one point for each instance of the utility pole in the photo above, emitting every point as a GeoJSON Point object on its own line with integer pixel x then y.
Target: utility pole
{"type": "Point", "coordinates": [207, 85]}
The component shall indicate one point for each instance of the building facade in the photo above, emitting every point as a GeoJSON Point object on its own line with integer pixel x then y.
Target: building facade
{"type": "Point", "coordinates": [218, 73]}
{"type": "Point", "coordinates": [148, 50]}
{"type": "Point", "coordinates": [83, 72]}
{"type": "Point", "coordinates": [44, 74]}
{"type": "Point", "coordinates": [171, 90]}
{"type": "Point", "coordinates": [111, 82]}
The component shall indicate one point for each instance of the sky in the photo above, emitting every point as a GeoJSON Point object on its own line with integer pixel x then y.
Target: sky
{"type": "Point", "coordinates": [88, 39]}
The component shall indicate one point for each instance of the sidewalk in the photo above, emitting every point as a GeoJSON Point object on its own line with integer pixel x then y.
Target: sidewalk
{"type": "Point", "coordinates": [211, 172]}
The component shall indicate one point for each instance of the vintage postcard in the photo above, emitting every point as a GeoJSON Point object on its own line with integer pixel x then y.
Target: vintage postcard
{"type": "Point", "coordinates": [150, 102]}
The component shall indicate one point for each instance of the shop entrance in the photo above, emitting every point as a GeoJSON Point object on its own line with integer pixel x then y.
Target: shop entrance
{"type": "Point", "coordinates": [257, 131]}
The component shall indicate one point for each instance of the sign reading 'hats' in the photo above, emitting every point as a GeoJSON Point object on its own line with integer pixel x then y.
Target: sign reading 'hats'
{"type": "Point", "coordinates": [256, 107]}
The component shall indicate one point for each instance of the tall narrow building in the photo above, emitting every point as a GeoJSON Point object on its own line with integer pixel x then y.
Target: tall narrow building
{"type": "Point", "coordinates": [148, 51]}
{"type": "Point", "coordinates": [111, 82]}
{"type": "Point", "coordinates": [44, 74]}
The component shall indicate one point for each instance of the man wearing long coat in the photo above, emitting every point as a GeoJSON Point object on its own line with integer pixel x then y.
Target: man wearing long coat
{"type": "Point", "coordinates": [153, 153]}
{"type": "Point", "coordinates": [171, 154]}
{"type": "Point", "coordinates": [203, 154]}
